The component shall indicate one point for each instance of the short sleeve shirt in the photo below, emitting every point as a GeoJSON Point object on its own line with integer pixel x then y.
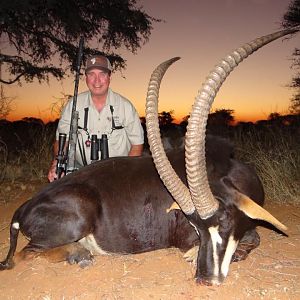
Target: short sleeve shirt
{"type": "Point", "coordinates": [117, 108]}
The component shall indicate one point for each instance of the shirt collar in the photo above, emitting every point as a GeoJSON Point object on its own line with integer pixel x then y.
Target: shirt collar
{"type": "Point", "coordinates": [109, 99]}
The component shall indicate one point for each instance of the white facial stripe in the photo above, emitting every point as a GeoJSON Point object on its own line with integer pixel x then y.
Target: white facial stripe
{"type": "Point", "coordinates": [216, 239]}
{"type": "Point", "coordinates": [16, 225]}
{"type": "Point", "coordinates": [195, 228]}
{"type": "Point", "coordinates": [231, 247]}
{"type": "Point", "coordinates": [90, 244]}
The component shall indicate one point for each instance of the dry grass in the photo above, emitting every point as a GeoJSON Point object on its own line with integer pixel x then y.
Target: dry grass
{"type": "Point", "coordinates": [276, 156]}
{"type": "Point", "coordinates": [30, 163]}
{"type": "Point", "coordinates": [3, 159]}
{"type": "Point", "coordinates": [274, 152]}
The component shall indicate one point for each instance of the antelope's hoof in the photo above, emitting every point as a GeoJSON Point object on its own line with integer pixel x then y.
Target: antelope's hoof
{"type": "Point", "coordinates": [239, 255]}
{"type": "Point", "coordinates": [83, 258]}
{"type": "Point", "coordinates": [86, 263]}
{"type": "Point", "coordinates": [6, 265]}
{"type": "Point", "coordinates": [242, 251]}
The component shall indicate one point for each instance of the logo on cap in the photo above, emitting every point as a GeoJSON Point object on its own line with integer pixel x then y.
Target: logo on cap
{"type": "Point", "coordinates": [100, 62]}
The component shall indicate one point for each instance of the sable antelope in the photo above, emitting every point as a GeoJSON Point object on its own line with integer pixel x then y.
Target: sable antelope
{"type": "Point", "coordinates": [120, 205]}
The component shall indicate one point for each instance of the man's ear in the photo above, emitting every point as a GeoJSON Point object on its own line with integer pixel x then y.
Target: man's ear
{"type": "Point", "coordinates": [255, 211]}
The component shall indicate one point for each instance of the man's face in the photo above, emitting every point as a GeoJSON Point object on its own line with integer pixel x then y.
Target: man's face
{"type": "Point", "coordinates": [98, 82]}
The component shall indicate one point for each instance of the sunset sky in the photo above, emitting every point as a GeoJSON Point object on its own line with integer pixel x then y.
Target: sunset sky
{"type": "Point", "coordinates": [200, 32]}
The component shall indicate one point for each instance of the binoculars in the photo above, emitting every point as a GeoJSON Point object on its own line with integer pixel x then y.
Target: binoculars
{"type": "Point", "coordinates": [99, 145]}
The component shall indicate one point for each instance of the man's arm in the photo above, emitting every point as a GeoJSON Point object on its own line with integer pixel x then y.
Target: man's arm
{"type": "Point", "coordinates": [136, 150]}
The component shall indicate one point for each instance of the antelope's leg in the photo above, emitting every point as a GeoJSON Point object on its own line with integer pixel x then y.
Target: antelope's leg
{"type": "Point", "coordinates": [250, 241]}
{"type": "Point", "coordinates": [73, 253]}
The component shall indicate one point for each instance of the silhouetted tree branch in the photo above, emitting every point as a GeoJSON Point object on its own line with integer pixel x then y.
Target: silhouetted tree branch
{"type": "Point", "coordinates": [39, 38]}
{"type": "Point", "coordinates": [292, 18]}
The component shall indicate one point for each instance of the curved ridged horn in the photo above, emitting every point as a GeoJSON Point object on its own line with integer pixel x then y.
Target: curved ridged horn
{"type": "Point", "coordinates": [202, 197]}
{"type": "Point", "coordinates": [166, 172]}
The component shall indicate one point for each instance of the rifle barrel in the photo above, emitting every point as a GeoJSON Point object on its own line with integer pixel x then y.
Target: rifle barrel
{"type": "Point", "coordinates": [74, 115]}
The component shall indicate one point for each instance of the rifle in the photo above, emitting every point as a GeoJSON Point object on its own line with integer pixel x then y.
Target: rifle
{"type": "Point", "coordinates": [66, 163]}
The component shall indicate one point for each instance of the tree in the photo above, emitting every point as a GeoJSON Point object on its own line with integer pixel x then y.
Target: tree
{"type": "Point", "coordinates": [57, 106]}
{"type": "Point", "coordinates": [274, 116]}
{"type": "Point", "coordinates": [295, 103]}
{"type": "Point", "coordinates": [165, 118]}
{"type": "Point", "coordinates": [292, 18]}
{"type": "Point", "coordinates": [37, 33]}
{"type": "Point", "coordinates": [5, 104]}
{"type": "Point", "coordinates": [221, 117]}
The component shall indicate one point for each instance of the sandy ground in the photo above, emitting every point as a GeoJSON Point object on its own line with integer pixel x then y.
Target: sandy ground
{"type": "Point", "coordinates": [272, 271]}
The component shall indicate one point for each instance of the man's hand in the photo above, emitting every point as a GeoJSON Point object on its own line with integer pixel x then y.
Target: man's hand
{"type": "Point", "coordinates": [52, 171]}
{"type": "Point", "coordinates": [136, 150]}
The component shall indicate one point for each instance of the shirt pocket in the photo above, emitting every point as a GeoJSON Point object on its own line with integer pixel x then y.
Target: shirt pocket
{"type": "Point", "coordinates": [118, 143]}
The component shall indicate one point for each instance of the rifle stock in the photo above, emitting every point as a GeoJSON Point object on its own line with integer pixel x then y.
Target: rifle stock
{"type": "Point", "coordinates": [61, 157]}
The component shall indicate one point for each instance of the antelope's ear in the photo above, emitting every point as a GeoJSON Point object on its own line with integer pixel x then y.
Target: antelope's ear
{"type": "Point", "coordinates": [255, 211]}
